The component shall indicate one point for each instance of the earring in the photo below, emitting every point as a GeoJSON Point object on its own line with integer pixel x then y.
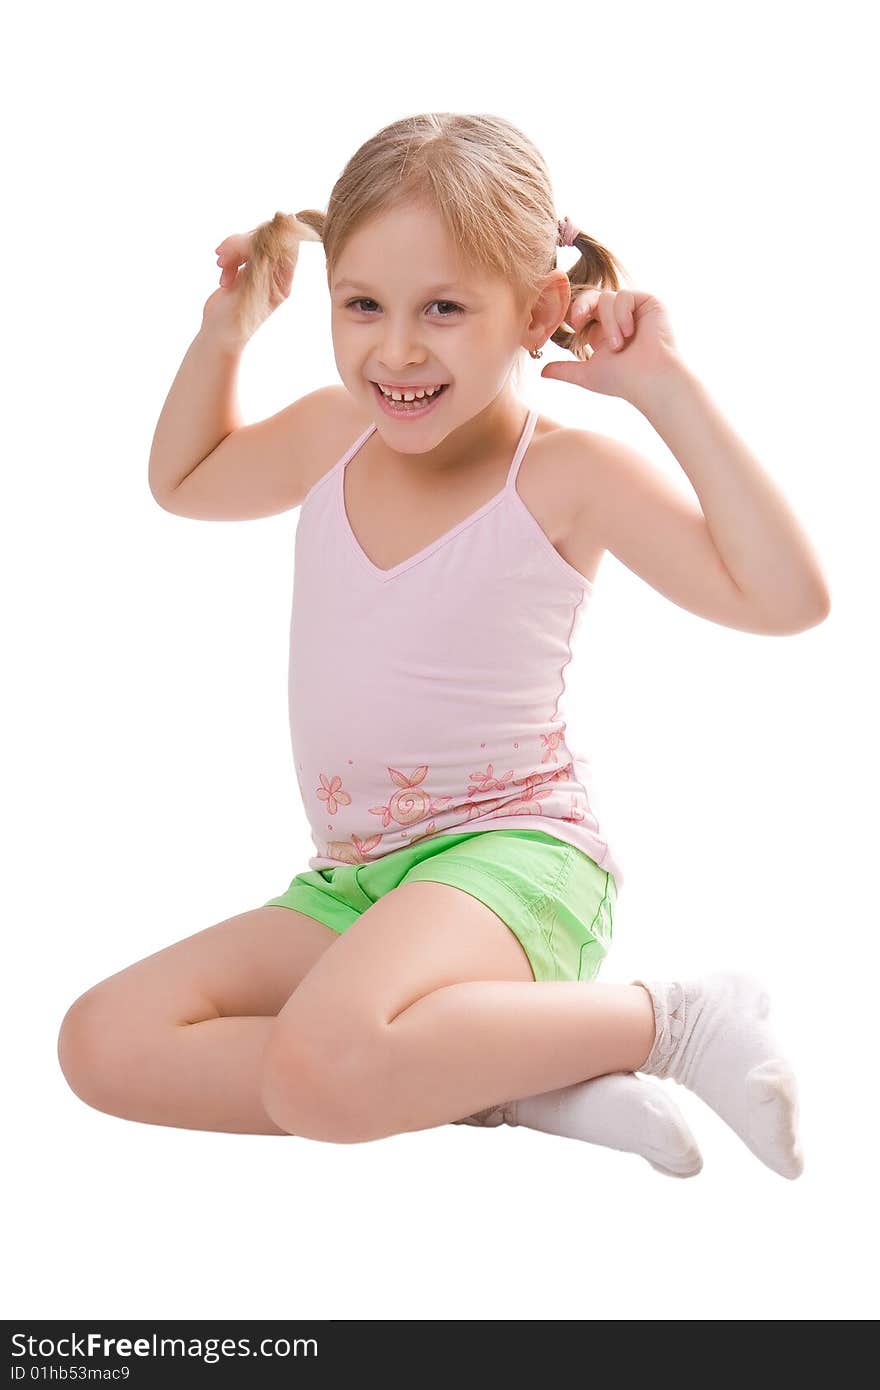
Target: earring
{"type": "Point", "coordinates": [533, 353]}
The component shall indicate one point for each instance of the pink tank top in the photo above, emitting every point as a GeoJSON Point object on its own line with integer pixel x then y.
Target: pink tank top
{"type": "Point", "coordinates": [424, 699]}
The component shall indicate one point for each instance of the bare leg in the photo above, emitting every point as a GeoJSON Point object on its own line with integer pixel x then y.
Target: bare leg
{"type": "Point", "coordinates": [203, 1075]}
{"type": "Point", "coordinates": [435, 1017]}
{"type": "Point", "coordinates": [433, 1063]}
{"type": "Point", "coordinates": [178, 1038]}
{"type": "Point", "coordinates": [426, 1011]}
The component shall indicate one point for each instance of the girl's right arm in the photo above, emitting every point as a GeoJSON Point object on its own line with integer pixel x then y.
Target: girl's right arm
{"type": "Point", "coordinates": [205, 462]}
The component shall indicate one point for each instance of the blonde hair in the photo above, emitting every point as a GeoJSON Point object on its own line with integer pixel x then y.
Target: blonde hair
{"type": "Point", "coordinates": [487, 182]}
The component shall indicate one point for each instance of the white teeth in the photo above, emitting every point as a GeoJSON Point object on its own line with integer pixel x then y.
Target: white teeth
{"type": "Point", "coordinates": [407, 395]}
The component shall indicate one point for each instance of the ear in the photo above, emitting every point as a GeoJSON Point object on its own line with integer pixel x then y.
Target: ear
{"type": "Point", "coordinates": [550, 306]}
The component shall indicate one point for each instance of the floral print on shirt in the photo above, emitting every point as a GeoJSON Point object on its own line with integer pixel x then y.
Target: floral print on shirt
{"type": "Point", "coordinates": [413, 806]}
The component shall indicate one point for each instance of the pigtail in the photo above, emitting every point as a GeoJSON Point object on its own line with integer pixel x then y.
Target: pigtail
{"type": "Point", "coordinates": [596, 268]}
{"type": "Point", "coordinates": [267, 277]}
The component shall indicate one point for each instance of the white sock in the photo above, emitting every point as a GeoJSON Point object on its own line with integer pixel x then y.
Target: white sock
{"type": "Point", "coordinates": [618, 1111]}
{"type": "Point", "coordinates": [712, 1036]}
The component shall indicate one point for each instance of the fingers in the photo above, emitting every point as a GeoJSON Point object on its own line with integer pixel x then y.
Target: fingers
{"type": "Point", "coordinates": [626, 302]}
{"type": "Point", "coordinates": [232, 253]}
{"type": "Point", "coordinates": [229, 271]}
{"type": "Point", "coordinates": [612, 310]}
{"type": "Point", "coordinates": [238, 243]}
{"type": "Point", "coordinates": [235, 253]}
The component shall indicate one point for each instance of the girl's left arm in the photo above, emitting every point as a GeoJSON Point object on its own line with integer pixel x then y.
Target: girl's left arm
{"type": "Point", "coordinates": [746, 533]}
{"type": "Point", "coordinates": [755, 532]}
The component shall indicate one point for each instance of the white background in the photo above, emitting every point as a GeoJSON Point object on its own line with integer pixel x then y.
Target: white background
{"type": "Point", "coordinates": [723, 153]}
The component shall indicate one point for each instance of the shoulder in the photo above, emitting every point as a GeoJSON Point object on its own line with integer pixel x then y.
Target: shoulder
{"type": "Point", "coordinates": [612, 479]}
{"type": "Point", "coordinates": [600, 473]}
{"type": "Point", "coordinates": [585, 483]}
{"type": "Point", "coordinates": [579, 452]}
{"type": "Point", "coordinates": [568, 464]}
{"type": "Point", "coordinates": [554, 482]}
{"type": "Point", "coordinates": [338, 422]}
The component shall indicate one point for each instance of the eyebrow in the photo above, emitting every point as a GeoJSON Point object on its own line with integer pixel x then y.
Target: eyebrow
{"type": "Point", "coordinates": [432, 289]}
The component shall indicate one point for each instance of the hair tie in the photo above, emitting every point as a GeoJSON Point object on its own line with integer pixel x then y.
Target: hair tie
{"type": "Point", "coordinates": [567, 232]}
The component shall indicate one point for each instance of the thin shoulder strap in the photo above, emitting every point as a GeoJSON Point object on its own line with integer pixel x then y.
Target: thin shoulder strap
{"type": "Point", "coordinates": [336, 469]}
{"type": "Point", "coordinates": [524, 440]}
{"type": "Point", "coordinates": [353, 448]}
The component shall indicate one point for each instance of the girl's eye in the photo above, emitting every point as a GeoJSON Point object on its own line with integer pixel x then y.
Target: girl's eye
{"type": "Point", "coordinates": [456, 308]}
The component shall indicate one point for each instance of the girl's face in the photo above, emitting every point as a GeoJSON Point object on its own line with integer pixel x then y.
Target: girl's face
{"type": "Point", "coordinates": [406, 312]}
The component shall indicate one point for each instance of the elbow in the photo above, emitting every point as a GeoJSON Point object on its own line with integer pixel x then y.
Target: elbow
{"type": "Point", "coordinates": [162, 497]}
{"type": "Point", "coordinates": [776, 624]}
{"type": "Point", "coordinates": [811, 618]}
{"type": "Point", "coordinates": [813, 609]}
{"type": "Point", "coordinates": [821, 605]}
{"type": "Point", "coordinates": [821, 610]}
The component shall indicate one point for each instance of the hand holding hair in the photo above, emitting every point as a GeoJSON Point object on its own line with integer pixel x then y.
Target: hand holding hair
{"type": "Point", "coordinates": [628, 339]}
{"type": "Point", "coordinates": [257, 270]}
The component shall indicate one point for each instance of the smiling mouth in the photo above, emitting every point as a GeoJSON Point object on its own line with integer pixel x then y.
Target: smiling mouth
{"type": "Point", "coordinates": [418, 406]}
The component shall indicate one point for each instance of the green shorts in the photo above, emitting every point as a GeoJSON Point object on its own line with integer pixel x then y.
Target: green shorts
{"type": "Point", "coordinates": [554, 898]}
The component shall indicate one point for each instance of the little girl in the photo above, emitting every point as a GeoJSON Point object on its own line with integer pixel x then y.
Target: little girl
{"type": "Point", "coordinates": [436, 961]}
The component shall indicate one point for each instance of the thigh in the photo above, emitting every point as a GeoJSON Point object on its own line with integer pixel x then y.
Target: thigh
{"type": "Point", "coordinates": [554, 898]}
{"type": "Point", "coordinates": [249, 964]}
{"type": "Point", "coordinates": [418, 937]}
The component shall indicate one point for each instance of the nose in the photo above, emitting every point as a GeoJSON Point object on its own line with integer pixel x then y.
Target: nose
{"type": "Point", "coordinates": [400, 349]}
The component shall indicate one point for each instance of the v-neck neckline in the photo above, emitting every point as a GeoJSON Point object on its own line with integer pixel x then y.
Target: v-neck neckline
{"type": "Point", "coordinates": [426, 550]}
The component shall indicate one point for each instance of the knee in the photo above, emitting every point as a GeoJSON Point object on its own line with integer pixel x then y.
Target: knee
{"type": "Point", "coordinates": [89, 1051]}
{"type": "Point", "coordinates": [315, 1090]}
